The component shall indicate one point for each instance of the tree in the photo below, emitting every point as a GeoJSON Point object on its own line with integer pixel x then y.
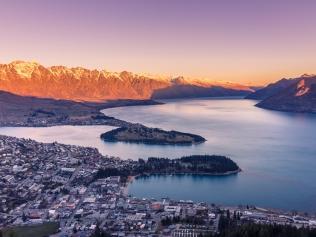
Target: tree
{"type": "Point", "coordinates": [228, 214]}
{"type": "Point", "coordinates": [24, 218]}
{"type": "Point", "coordinates": [235, 216]}
{"type": "Point", "coordinates": [97, 231]}
{"type": "Point", "coordinates": [230, 228]}
{"type": "Point", "coordinates": [263, 232]}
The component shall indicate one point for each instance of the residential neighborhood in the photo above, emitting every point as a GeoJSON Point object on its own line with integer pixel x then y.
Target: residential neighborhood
{"type": "Point", "coordinates": [56, 183]}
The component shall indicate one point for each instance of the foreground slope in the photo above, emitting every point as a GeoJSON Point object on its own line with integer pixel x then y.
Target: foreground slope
{"type": "Point", "coordinates": [16, 110]}
{"type": "Point", "coordinates": [80, 84]}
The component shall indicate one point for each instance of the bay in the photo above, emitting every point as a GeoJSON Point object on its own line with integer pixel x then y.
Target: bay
{"type": "Point", "coordinates": [276, 151]}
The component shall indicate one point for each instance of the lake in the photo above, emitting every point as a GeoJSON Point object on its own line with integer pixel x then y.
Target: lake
{"type": "Point", "coordinates": [276, 151]}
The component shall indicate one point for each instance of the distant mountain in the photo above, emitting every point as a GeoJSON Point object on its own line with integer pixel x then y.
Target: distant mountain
{"type": "Point", "coordinates": [80, 84]}
{"type": "Point", "coordinates": [192, 89]}
{"type": "Point", "coordinates": [272, 89]}
{"type": "Point", "coordinates": [299, 96]}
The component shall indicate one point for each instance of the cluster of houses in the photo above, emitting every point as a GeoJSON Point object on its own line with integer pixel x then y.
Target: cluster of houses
{"type": "Point", "coordinates": [42, 183]}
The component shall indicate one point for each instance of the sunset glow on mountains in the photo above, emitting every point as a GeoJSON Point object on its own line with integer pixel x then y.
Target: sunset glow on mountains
{"type": "Point", "coordinates": [81, 84]}
{"type": "Point", "coordinates": [157, 118]}
{"type": "Point", "coordinates": [246, 42]}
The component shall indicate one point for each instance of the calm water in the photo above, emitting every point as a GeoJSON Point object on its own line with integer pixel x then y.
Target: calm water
{"type": "Point", "coordinates": [277, 151]}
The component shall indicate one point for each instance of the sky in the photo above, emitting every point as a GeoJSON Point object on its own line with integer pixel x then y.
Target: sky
{"type": "Point", "coordinates": [245, 41]}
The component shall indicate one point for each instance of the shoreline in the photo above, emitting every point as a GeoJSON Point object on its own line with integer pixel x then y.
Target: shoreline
{"type": "Point", "coordinates": [94, 114]}
{"type": "Point", "coordinates": [227, 173]}
{"type": "Point", "coordinates": [61, 112]}
{"type": "Point", "coordinates": [132, 178]}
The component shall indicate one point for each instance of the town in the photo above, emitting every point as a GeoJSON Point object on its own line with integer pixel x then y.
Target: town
{"type": "Point", "coordinates": [81, 191]}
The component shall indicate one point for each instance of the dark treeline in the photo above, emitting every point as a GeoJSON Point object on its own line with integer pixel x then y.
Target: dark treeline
{"type": "Point", "coordinates": [107, 172]}
{"type": "Point", "coordinates": [100, 233]}
{"type": "Point", "coordinates": [195, 220]}
{"type": "Point", "coordinates": [233, 228]}
{"type": "Point", "coordinates": [189, 164]}
{"type": "Point", "coordinates": [211, 163]}
{"type": "Point", "coordinates": [195, 164]}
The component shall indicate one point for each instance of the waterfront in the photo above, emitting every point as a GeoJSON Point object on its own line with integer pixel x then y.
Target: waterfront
{"type": "Point", "coordinates": [275, 150]}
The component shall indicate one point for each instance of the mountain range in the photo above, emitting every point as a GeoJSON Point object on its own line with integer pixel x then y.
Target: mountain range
{"type": "Point", "coordinates": [84, 85]}
{"type": "Point", "coordinates": [291, 95]}
{"type": "Point", "coordinates": [81, 84]}
{"type": "Point", "coordinates": [272, 89]}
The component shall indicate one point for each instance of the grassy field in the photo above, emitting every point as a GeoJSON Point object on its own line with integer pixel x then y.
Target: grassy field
{"type": "Point", "coordinates": [41, 230]}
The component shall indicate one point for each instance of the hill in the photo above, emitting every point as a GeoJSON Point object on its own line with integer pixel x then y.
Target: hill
{"type": "Point", "coordinates": [297, 97]}
{"type": "Point", "coordinates": [271, 89]}
{"type": "Point", "coordinates": [152, 136]}
{"type": "Point", "coordinates": [16, 110]}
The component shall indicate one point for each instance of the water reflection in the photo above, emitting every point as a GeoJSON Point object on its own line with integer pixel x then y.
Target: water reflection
{"type": "Point", "coordinates": [276, 150]}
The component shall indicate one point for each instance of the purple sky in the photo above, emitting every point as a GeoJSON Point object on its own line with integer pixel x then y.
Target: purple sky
{"type": "Point", "coordinates": [248, 41]}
